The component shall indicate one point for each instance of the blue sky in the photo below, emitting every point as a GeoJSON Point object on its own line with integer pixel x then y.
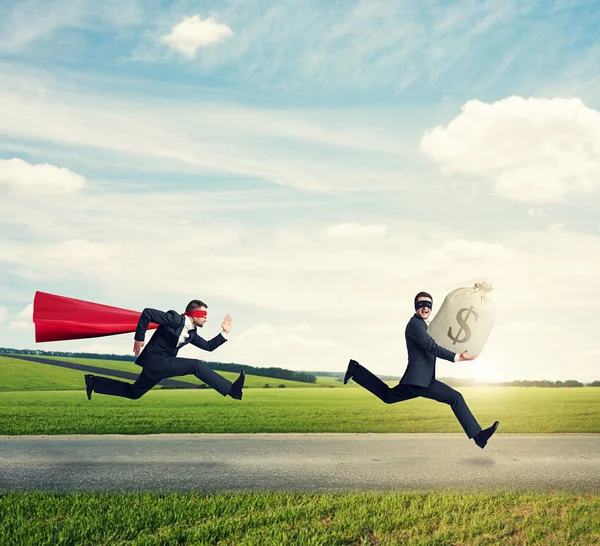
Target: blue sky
{"type": "Point", "coordinates": [307, 167]}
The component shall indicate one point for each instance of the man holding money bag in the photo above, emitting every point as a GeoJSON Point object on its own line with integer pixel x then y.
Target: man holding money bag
{"type": "Point", "coordinates": [465, 319]}
{"type": "Point", "coordinates": [419, 377]}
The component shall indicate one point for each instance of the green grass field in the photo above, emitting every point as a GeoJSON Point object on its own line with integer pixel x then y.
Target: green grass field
{"type": "Point", "coordinates": [21, 375]}
{"type": "Point", "coordinates": [408, 518]}
{"type": "Point", "coordinates": [28, 406]}
{"type": "Point", "coordinates": [346, 409]}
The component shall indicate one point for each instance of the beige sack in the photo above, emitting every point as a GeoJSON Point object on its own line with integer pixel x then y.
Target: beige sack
{"type": "Point", "coordinates": [465, 320]}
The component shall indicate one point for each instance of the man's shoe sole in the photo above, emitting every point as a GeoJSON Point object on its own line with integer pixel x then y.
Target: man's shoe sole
{"type": "Point", "coordinates": [242, 376]}
{"type": "Point", "coordinates": [88, 390]}
{"type": "Point", "coordinates": [495, 425]}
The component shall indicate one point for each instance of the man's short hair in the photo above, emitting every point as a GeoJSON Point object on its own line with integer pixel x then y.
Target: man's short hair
{"type": "Point", "coordinates": [423, 295]}
{"type": "Point", "coordinates": [195, 304]}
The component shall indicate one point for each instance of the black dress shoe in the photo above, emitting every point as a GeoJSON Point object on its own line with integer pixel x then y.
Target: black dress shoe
{"type": "Point", "coordinates": [237, 386]}
{"type": "Point", "coordinates": [89, 385]}
{"type": "Point", "coordinates": [352, 365]}
{"type": "Point", "coordinates": [482, 438]}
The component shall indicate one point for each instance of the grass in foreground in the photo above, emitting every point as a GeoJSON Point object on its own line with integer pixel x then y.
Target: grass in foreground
{"type": "Point", "coordinates": [519, 409]}
{"type": "Point", "coordinates": [437, 518]}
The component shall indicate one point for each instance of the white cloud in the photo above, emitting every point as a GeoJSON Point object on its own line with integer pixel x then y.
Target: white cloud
{"type": "Point", "coordinates": [526, 326]}
{"type": "Point", "coordinates": [535, 212]}
{"type": "Point", "coordinates": [301, 303]}
{"type": "Point", "coordinates": [534, 150]}
{"type": "Point", "coordinates": [3, 313]}
{"type": "Point", "coordinates": [262, 329]}
{"type": "Point", "coordinates": [24, 319]}
{"type": "Point", "coordinates": [80, 256]}
{"type": "Point", "coordinates": [302, 327]}
{"type": "Point", "coordinates": [193, 33]}
{"type": "Point", "coordinates": [283, 346]}
{"type": "Point", "coordinates": [26, 21]}
{"type": "Point", "coordinates": [291, 268]}
{"type": "Point", "coordinates": [281, 146]}
{"type": "Point", "coordinates": [290, 341]}
{"type": "Point", "coordinates": [42, 180]}
{"type": "Point", "coordinates": [462, 249]}
{"type": "Point", "coordinates": [354, 229]}
{"type": "Point", "coordinates": [20, 325]}
{"type": "Point", "coordinates": [68, 259]}
{"type": "Point", "coordinates": [26, 313]}
{"type": "Point", "coordinates": [110, 347]}
{"type": "Point", "coordinates": [459, 259]}
{"type": "Point", "coordinates": [313, 45]}
{"type": "Point", "coordinates": [29, 20]}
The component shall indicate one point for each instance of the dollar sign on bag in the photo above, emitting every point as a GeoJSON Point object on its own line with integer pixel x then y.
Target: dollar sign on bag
{"type": "Point", "coordinates": [464, 327]}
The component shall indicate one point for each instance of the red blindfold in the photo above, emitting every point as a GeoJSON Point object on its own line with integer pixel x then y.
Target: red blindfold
{"type": "Point", "coordinates": [196, 313]}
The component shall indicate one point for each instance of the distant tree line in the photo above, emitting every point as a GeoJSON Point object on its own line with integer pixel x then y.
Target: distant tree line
{"type": "Point", "coordinates": [311, 377]}
{"type": "Point", "coordinates": [469, 382]}
{"type": "Point", "coordinates": [6, 351]}
{"type": "Point", "coordinates": [277, 373]}
{"type": "Point", "coordinates": [329, 374]}
{"type": "Point", "coordinates": [546, 383]}
{"type": "Point", "coordinates": [339, 376]}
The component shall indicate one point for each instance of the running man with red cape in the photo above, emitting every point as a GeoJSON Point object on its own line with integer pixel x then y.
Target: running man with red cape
{"type": "Point", "coordinates": [60, 318]}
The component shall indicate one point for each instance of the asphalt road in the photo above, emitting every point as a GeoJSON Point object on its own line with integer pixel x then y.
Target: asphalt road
{"type": "Point", "coordinates": [299, 462]}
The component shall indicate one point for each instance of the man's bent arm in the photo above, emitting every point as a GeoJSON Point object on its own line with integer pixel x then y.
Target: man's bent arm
{"type": "Point", "coordinates": [421, 336]}
{"type": "Point", "coordinates": [210, 345]}
{"type": "Point", "coordinates": [152, 315]}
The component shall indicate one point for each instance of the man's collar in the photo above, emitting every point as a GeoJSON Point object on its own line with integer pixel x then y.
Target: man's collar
{"type": "Point", "coordinates": [188, 324]}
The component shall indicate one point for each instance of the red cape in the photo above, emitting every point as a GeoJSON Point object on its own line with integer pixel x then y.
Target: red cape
{"type": "Point", "coordinates": [58, 318]}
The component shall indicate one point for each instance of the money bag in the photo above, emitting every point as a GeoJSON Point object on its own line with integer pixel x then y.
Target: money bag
{"type": "Point", "coordinates": [465, 319]}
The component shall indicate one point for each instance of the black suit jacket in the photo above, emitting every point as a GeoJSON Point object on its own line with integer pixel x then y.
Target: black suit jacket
{"type": "Point", "coordinates": [163, 343]}
{"type": "Point", "coordinates": [422, 352]}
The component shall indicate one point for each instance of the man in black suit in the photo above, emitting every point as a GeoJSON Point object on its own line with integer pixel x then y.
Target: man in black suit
{"type": "Point", "coordinates": [419, 377]}
{"type": "Point", "coordinates": [159, 358]}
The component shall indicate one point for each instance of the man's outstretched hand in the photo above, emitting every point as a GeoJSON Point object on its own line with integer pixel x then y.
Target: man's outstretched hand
{"type": "Point", "coordinates": [137, 347]}
{"type": "Point", "coordinates": [465, 356]}
{"type": "Point", "coordinates": [226, 324]}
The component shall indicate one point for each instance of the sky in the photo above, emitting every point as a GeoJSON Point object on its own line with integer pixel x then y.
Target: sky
{"type": "Point", "coordinates": [307, 167]}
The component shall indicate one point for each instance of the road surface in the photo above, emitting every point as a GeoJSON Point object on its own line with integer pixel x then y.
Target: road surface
{"type": "Point", "coordinates": [299, 462]}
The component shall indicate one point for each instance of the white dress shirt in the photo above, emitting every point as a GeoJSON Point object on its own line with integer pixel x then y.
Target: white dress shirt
{"type": "Point", "coordinates": [185, 333]}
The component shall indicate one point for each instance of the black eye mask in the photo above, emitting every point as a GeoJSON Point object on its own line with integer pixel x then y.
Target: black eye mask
{"type": "Point", "coordinates": [423, 303]}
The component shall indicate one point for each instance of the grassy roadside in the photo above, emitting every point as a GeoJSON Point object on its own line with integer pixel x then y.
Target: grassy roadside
{"type": "Point", "coordinates": [519, 409]}
{"type": "Point", "coordinates": [440, 518]}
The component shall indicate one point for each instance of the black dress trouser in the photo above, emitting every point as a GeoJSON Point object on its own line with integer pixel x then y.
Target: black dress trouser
{"type": "Point", "coordinates": [156, 369]}
{"type": "Point", "coordinates": [436, 390]}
